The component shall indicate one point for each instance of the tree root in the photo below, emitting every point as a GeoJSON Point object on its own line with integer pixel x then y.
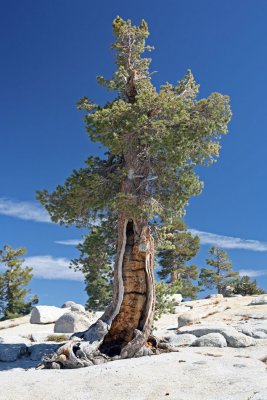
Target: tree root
{"type": "Point", "coordinates": [78, 353]}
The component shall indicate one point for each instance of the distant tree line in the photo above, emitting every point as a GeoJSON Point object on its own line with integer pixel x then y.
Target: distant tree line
{"type": "Point", "coordinates": [176, 247]}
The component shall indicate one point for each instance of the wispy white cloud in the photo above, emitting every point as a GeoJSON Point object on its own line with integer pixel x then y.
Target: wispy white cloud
{"type": "Point", "coordinates": [31, 211]}
{"type": "Point", "coordinates": [25, 210]}
{"type": "Point", "coordinates": [253, 273]}
{"type": "Point", "coordinates": [69, 242]}
{"type": "Point", "coordinates": [226, 242]}
{"type": "Point", "coordinates": [49, 267]}
{"type": "Point", "coordinates": [229, 242]}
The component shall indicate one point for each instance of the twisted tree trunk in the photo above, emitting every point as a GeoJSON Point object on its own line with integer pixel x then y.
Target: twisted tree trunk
{"type": "Point", "coordinates": [124, 329]}
{"type": "Point", "coordinates": [131, 313]}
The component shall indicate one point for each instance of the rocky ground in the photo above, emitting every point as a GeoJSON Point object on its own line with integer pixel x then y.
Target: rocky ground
{"type": "Point", "coordinates": [222, 345]}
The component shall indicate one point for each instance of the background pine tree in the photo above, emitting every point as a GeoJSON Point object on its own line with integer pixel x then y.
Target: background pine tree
{"type": "Point", "coordinates": [13, 284]}
{"type": "Point", "coordinates": [96, 262]}
{"type": "Point", "coordinates": [246, 287]}
{"type": "Point", "coordinates": [179, 247]}
{"type": "Point", "coordinates": [221, 274]}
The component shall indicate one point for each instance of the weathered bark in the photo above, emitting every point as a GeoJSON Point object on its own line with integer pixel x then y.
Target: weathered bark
{"type": "Point", "coordinates": [175, 275]}
{"type": "Point", "coordinates": [124, 329]}
{"type": "Point", "coordinates": [134, 290]}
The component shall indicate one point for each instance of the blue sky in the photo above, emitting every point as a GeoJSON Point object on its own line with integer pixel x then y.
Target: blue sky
{"type": "Point", "coordinates": [51, 53]}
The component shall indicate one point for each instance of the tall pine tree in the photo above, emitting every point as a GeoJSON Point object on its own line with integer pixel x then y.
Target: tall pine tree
{"type": "Point", "coordinates": [155, 139]}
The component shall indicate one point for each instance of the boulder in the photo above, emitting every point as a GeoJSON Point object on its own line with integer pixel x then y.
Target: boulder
{"type": "Point", "coordinates": [228, 291]}
{"type": "Point", "coordinates": [182, 309]}
{"type": "Point", "coordinates": [253, 316]}
{"type": "Point", "coordinates": [96, 332]}
{"type": "Point", "coordinates": [38, 351]}
{"type": "Point", "coordinates": [17, 339]}
{"type": "Point", "coordinates": [246, 329]}
{"type": "Point", "coordinates": [180, 340]}
{"type": "Point", "coordinates": [72, 322]}
{"type": "Point", "coordinates": [257, 330]}
{"type": "Point", "coordinates": [260, 300]}
{"type": "Point", "coordinates": [77, 308]}
{"type": "Point", "coordinates": [237, 339]}
{"type": "Point", "coordinates": [11, 323]}
{"type": "Point", "coordinates": [68, 304]}
{"type": "Point", "coordinates": [177, 298]}
{"type": "Point", "coordinates": [262, 395]}
{"type": "Point", "coordinates": [194, 316]}
{"type": "Point", "coordinates": [232, 336]}
{"type": "Point", "coordinates": [210, 340]}
{"type": "Point", "coordinates": [259, 334]}
{"type": "Point", "coordinates": [216, 296]}
{"type": "Point", "coordinates": [202, 329]}
{"type": "Point", "coordinates": [11, 352]}
{"type": "Point", "coordinates": [46, 314]}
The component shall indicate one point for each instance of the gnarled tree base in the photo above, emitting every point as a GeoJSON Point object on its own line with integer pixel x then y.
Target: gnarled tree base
{"type": "Point", "coordinates": [124, 329]}
{"type": "Point", "coordinates": [77, 353]}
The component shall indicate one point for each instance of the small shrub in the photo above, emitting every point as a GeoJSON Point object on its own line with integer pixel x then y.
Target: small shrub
{"type": "Point", "coordinates": [164, 303]}
{"type": "Point", "coordinates": [57, 338]}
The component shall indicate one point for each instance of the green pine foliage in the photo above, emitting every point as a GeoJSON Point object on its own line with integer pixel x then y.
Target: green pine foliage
{"type": "Point", "coordinates": [96, 262]}
{"type": "Point", "coordinates": [164, 303]}
{"type": "Point", "coordinates": [220, 274]}
{"type": "Point", "coordinates": [155, 138]}
{"type": "Point", "coordinates": [170, 130]}
{"type": "Point", "coordinates": [178, 247]}
{"type": "Point", "coordinates": [13, 284]}
{"type": "Point", "coordinates": [246, 287]}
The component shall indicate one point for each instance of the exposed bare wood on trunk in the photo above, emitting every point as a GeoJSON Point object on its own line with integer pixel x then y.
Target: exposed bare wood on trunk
{"type": "Point", "coordinates": [111, 311]}
{"type": "Point", "coordinates": [122, 331]}
{"type": "Point", "coordinates": [138, 296]}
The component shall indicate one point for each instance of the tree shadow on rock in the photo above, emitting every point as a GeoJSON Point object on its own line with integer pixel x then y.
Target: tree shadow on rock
{"type": "Point", "coordinates": [18, 355]}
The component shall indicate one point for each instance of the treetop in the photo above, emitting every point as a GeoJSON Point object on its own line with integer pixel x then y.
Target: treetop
{"type": "Point", "coordinates": [154, 140]}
